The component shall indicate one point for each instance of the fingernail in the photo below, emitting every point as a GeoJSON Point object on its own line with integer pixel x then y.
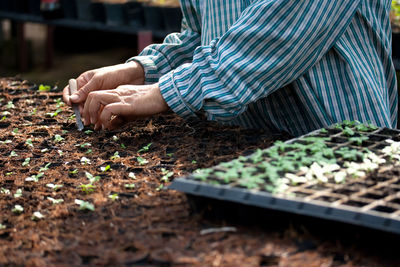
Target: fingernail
{"type": "Point", "coordinates": [73, 98]}
{"type": "Point", "coordinates": [102, 127]}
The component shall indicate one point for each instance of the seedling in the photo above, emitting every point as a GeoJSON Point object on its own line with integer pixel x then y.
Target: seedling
{"type": "Point", "coordinates": [142, 161]}
{"type": "Point", "coordinates": [130, 186]}
{"type": "Point", "coordinates": [88, 132]}
{"type": "Point", "coordinates": [87, 188]}
{"type": "Point", "coordinates": [5, 191]}
{"type": "Point", "coordinates": [84, 205]}
{"type": "Point", "coordinates": [13, 154]}
{"type": "Point", "coordinates": [84, 145]}
{"type": "Point", "coordinates": [45, 168]}
{"type": "Point", "coordinates": [28, 142]}
{"type": "Point", "coordinates": [166, 175]}
{"type": "Point", "coordinates": [10, 105]}
{"type": "Point", "coordinates": [6, 142]}
{"type": "Point", "coordinates": [145, 148]}
{"type": "Point", "coordinates": [358, 140]}
{"type": "Point", "coordinates": [160, 187]}
{"type": "Point", "coordinates": [55, 113]}
{"type": "Point", "coordinates": [323, 131]}
{"type": "Point", "coordinates": [18, 209]}
{"type": "Point", "coordinates": [123, 146]}
{"type": "Point", "coordinates": [18, 193]}
{"type": "Point", "coordinates": [15, 130]}
{"type": "Point", "coordinates": [170, 155]}
{"type": "Point", "coordinates": [89, 151]}
{"type": "Point", "coordinates": [85, 161]}
{"type": "Point", "coordinates": [55, 201]}
{"type": "Point", "coordinates": [59, 102]}
{"type": "Point", "coordinates": [194, 162]}
{"type": "Point", "coordinates": [34, 178]}
{"type": "Point", "coordinates": [58, 138]}
{"type": "Point", "coordinates": [132, 175]}
{"type": "Point", "coordinates": [9, 173]}
{"type": "Point", "coordinates": [55, 187]}
{"type": "Point", "coordinates": [26, 162]}
{"type": "Point", "coordinates": [113, 197]}
{"type": "Point", "coordinates": [73, 172]}
{"type": "Point", "coordinates": [115, 156]}
{"type": "Point", "coordinates": [3, 118]}
{"type": "Point", "coordinates": [44, 150]}
{"type": "Point", "coordinates": [37, 216]}
{"type": "Point", "coordinates": [115, 138]}
{"type": "Point", "coordinates": [106, 168]}
{"type": "Point", "coordinates": [92, 178]}
{"type": "Point", "coordinates": [44, 88]}
{"type": "Point", "coordinates": [64, 131]}
{"type": "Point", "coordinates": [348, 131]}
{"type": "Point", "coordinates": [2, 226]}
{"type": "Point", "coordinates": [33, 112]}
{"type": "Point", "coordinates": [60, 152]}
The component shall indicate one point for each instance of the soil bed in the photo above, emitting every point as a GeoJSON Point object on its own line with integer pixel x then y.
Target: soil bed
{"type": "Point", "coordinates": [146, 225]}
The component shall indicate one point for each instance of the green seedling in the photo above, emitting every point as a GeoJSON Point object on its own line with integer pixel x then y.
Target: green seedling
{"type": "Point", "coordinates": [10, 105]}
{"type": "Point", "coordinates": [160, 187]}
{"type": "Point", "coordinates": [60, 152]}
{"type": "Point", "coordinates": [9, 173]}
{"type": "Point", "coordinates": [348, 131]}
{"type": "Point", "coordinates": [55, 187]}
{"type": "Point", "coordinates": [146, 148]}
{"type": "Point", "coordinates": [55, 201]}
{"type": "Point", "coordinates": [123, 146]}
{"type": "Point", "coordinates": [115, 138]}
{"type": "Point", "coordinates": [72, 117]}
{"type": "Point", "coordinates": [85, 161]}
{"type": "Point", "coordinates": [194, 162]}
{"type": "Point", "coordinates": [55, 113]}
{"type": "Point", "coordinates": [18, 209]}
{"type": "Point", "coordinates": [106, 168]}
{"type": "Point", "coordinates": [6, 142]}
{"type": "Point", "coordinates": [130, 186]}
{"type": "Point", "coordinates": [349, 154]}
{"type": "Point", "coordinates": [87, 188]}
{"type": "Point", "coordinates": [115, 156]}
{"type": "Point", "coordinates": [18, 193]}
{"type": "Point", "coordinates": [323, 131]}
{"type": "Point", "coordinates": [132, 175]}
{"type": "Point", "coordinates": [170, 155]}
{"type": "Point", "coordinates": [3, 118]}
{"type": "Point", "coordinates": [84, 145]}
{"type": "Point", "coordinates": [166, 175]}
{"type": "Point", "coordinates": [28, 142]}
{"type": "Point", "coordinates": [89, 151]}
{"type": "Point", "coordinates": [35, 178]}
{"type": "Point", "coordinates": [2, 226]}
{"type": "Point", "coordinates": [84, 205]}
{"type": "Point", "coordinates": [64, 131]}
{"type": "Point", "coordinates": [45, 168]}
{"type": "Point", "coordinates": [88, 132]}
{"type": "Point", "coordinates": [58, 138]}
{"type": "Point", "coordinates": [92, 179]}
{"type": "Point", "coordinates": [37, 216]}
{"type": "Point", "coordinates": [15, 130]}
{"type": "Point", "coordinates": [359, 140]}
{"type": "Point", "coordinates": [59, 102]}
{"type": "Point", "coordinates": [33, 112]}
{"type": "Point", "coordinates": [73, 172]}
{"type": "Point", "coordinates": [44, 88]}
{"type": "Point", "coordinates": [113, 197]}
{"type": "Point", "coordinates": [26, 162]}
{"type": "Point", "coordinates": [13, 154]}
{"type": "Point", "coordinates": [44, 150]}
{"type": "Point", "coordinates": [141, 161]}
{"type": "Point", "coordinates": [5, 191]}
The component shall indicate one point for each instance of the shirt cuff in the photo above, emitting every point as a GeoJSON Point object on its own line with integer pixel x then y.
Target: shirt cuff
{"type": "Point", "coordinates": [173, 97]}
{"type": "Point", "coordinates": [149, 66]}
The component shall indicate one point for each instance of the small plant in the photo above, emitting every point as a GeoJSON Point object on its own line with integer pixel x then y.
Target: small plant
{"type": "Point", "coordinates": [115, 138]}
{"type": "Point", "coordinates": [44, 150]}
{"type": "Point", "coordinates": [44, 88]}
{"type": "Point", "coordinates": [145, 148]}
{"type": "Point", "coordinates": [55, 113]}
{"type": "Point", "coordinates": [15, 131]}
{"type": "Point", "coordinates": [5, 191]}
{"type": "Point", "coordinates": [359, 140]}
{"type": "Point", "coordinates": [130, 186]}
{"type": "Point", "coordinates": [18, 193]}
{"type": "Point", "coordinates": [55, 201]}
{"type": "Point", "coordinates": [18, 209]}
{"type": "Point", "coordinates": [113, 197]}
{"type": "Point", "coordinates": [115, 156]}
{"type": "Point", "coordinates": [55, 187]}
{"type": "Point", "coordinates": [45, 168]}
{"type": "Point", "coordinates": [194, 162]}
{"type": "Point", "coordinates": [85, 161]}
{"type": "Point", "coordinates": [132, 175]}
{"type": "Point", "coordinates": [106, 168]}
{"type": "Point", "coordinates": [33, 112]}
{"type": "Point", "coordinates": [92, 178]}
{"type": "Point", "coordinates": [28, 142]}
{"type": "Point", "coordinates": [60, 152]}
{"type": "Point", "coordinates": [58, 138]}
{"type": "Point", "coordinates": [13, 154]}
{"type": "Point", "coordinates": [26, 162]}
{"type": "Point", "coordinates": [6, 142]}
{"type": "Point", "coordinates": [166, 175]}
{"type": "Point", "coordinates": [84, 205]}
{"type": "Point", "coordinates": [59, 102]}
{"type": "Point", "coordinates": [123, 146]}
{"type": "Point", "coordinates": [84, 145]}
{"type": "Point", "coordinates": [87, 188]}
{"type": "Point", "coordinates": [10, 105]}
{"type": "Point", "coordinates": [73, 172]}
{"type": "Point", "coordinates": [2, 226]}
{"type": "Point", "coordinates": [9, 173]}
{"type": "Point", "coordinates": [88, 132]}
{"type": "Point", "coordinates": [348, 131]}
{"type": "Point", "coordinates": [142, 161]}
{"type": "Point", "coordinates": [323, 131]}
{"type": "Point", "coordinates": [35, 178]}
{"type": "Point", "coordinates": [37, 216]}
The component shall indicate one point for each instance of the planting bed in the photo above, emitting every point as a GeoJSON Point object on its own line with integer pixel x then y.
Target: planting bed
{"type": "Point", "coordinates": [70, 198]}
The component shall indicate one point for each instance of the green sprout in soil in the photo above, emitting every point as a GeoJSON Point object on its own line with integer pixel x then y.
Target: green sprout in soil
{"type": "Point", "coordinates": [9, 173]}
{"type": "Point", "coordinates": [87, 188]}
{"type": "Point", "coordinates": [115, 156]}
{"type": "Point", "coordinates": [323, 131]}
{"type": "Point", "coordinates": [84, 205]}
{"type": "Point", "coordinates": [3, 118]}
{"type": "Point", "coordinates": [2, 226]}
{"type": "Point", "coordinates": [166, 175]}
{"type": "Point", "coordinates": [44, 88]}
{"type": "Point", "coordinates": [106, 168]}
{"type": "Point", "coordinates": [18, 209]}
{"type": "Point", "coordinates": [132, 175]}
{"type": "Point", "coordinates": [15, 130]}
{"type": "Point", "coordinates": [44, 150]}
{"type": "Point", "coordinates": [55, 201]}
{"type": "Point", "coordinates": [55, 187]}
{"type": "Point", "coordinates": [59, 102]}
{"type": "Point", "coordinates": [123, 146]}
{"type": "Point", "coordinates": [35, 178]}
{"type": "Point", "coordinates": [73, 172]}
{"type": "Point", "coordinates": [45, 168]}
{"type": "Point", "coordinates": [170, 155]}
{"type": "Point", "coordinates": [5, 191]}
{"type": "Point", "coordinates": [92, 179]}
{"type": "Point", "coordinates": [113, 197]}
{"type": "Point", "coordinates": [89, 151]}
{"type": "Point", "coordinates": [58, 138]}
{"type": "Point", "coordinates": [359, 140]}
{"type": "Point", "coordinates": [72, 117]}
{"type": "Point", "coordinates": [6, 142]}
{"type": "Point", "coordinates": [10, 105]}
{"type": "Point", "coordinates": [84, 145]}
{"type": "Point", "coordinates": [13, 154]}
{"type": "Point", "coordinates": [194, 162]}
{"type": "Point", "coordinates": [55, 113]}
{"type": "Point", "coordinates": [28, 142]}
{"type": "Point", "coordinates": [33, 112]}
{"type": "Point", "coordinates": [64, 131]}
{"type": "Point", "coordinates": [146, 148]}
{"type": "Point", "coordinates": [85, 161]}
{"type": "Point", "coordinates": [115, 138]}
{"type": "Point", "coordinates": [348, 131]}
{"type": "Point", "coordinates": [60, 152]}
{"type": "Point", "coordinates": [348, 123]}
{"type": "Point", "coordinates": [37, 216]}
{"type": "Point", "coordinates": [160, 187]}
{"type": "Point", "coordinates": [141, 161]}
{"type": "Point", "coordinates": [26, 162]}
{"type": "Point", "coordinates": [88, 132]}
{"type": "Point", "coordinates": [350, 154]}
{"type": "Point", "coordinates": [129, 186]}
{"type": "Point", "coordinates": [18, 193]}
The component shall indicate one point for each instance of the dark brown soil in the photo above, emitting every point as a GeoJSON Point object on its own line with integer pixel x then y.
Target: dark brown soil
{"type": "Point", "coordinates": [147, 225]}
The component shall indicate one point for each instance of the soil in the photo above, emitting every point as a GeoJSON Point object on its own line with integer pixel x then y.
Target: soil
{"type": "Point", "coordinates": [147, 225]}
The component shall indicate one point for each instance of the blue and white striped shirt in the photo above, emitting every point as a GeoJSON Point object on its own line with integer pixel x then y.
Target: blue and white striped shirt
{"type": "Point", "coordinates": [291, 65]}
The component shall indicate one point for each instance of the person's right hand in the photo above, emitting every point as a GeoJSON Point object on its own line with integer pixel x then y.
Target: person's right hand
{"type": "Point", "coordinates": [104, 79]}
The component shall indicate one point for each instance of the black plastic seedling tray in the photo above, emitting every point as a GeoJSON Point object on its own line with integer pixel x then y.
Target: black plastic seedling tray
{"type": "Point", "coordinates": [372, 200]}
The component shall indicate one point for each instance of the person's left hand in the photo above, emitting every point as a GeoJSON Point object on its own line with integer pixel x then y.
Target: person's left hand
{"type": "Point", "coordinates": [110, 109]}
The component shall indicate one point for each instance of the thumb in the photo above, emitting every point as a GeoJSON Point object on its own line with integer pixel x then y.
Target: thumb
{"type": "Point", "coordinates": [82, 93]}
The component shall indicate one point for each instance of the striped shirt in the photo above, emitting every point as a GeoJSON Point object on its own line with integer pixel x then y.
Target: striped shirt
{"type": "Point", "coordinates": [281, 65]}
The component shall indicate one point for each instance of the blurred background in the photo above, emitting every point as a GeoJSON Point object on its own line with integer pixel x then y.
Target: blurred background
{"type": "Point", "coordinates": [50, 41]}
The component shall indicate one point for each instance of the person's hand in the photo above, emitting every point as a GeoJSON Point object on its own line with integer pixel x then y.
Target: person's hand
{"type": "Point", "coordinates": [103, 79]}
{"type": "Point", "coordinates": [109, 109]}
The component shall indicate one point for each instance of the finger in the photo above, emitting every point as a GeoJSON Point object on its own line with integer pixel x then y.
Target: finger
{"type": "Point", "coordinates": [112, 110]}
{"type": "Point", "coordinates": [66, 95]}
{"type": "Point", "coordinates": [94, 103]}
{"type": "Point", "coordinates": [97, 126]}
{"type": "Point", "coordinates": [116, 122]}
{"type": "Point", "coordinates": [92, 85]}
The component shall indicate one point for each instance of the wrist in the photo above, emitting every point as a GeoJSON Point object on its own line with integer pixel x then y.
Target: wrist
{"type": "Point", "coordinates": [136, 73]}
